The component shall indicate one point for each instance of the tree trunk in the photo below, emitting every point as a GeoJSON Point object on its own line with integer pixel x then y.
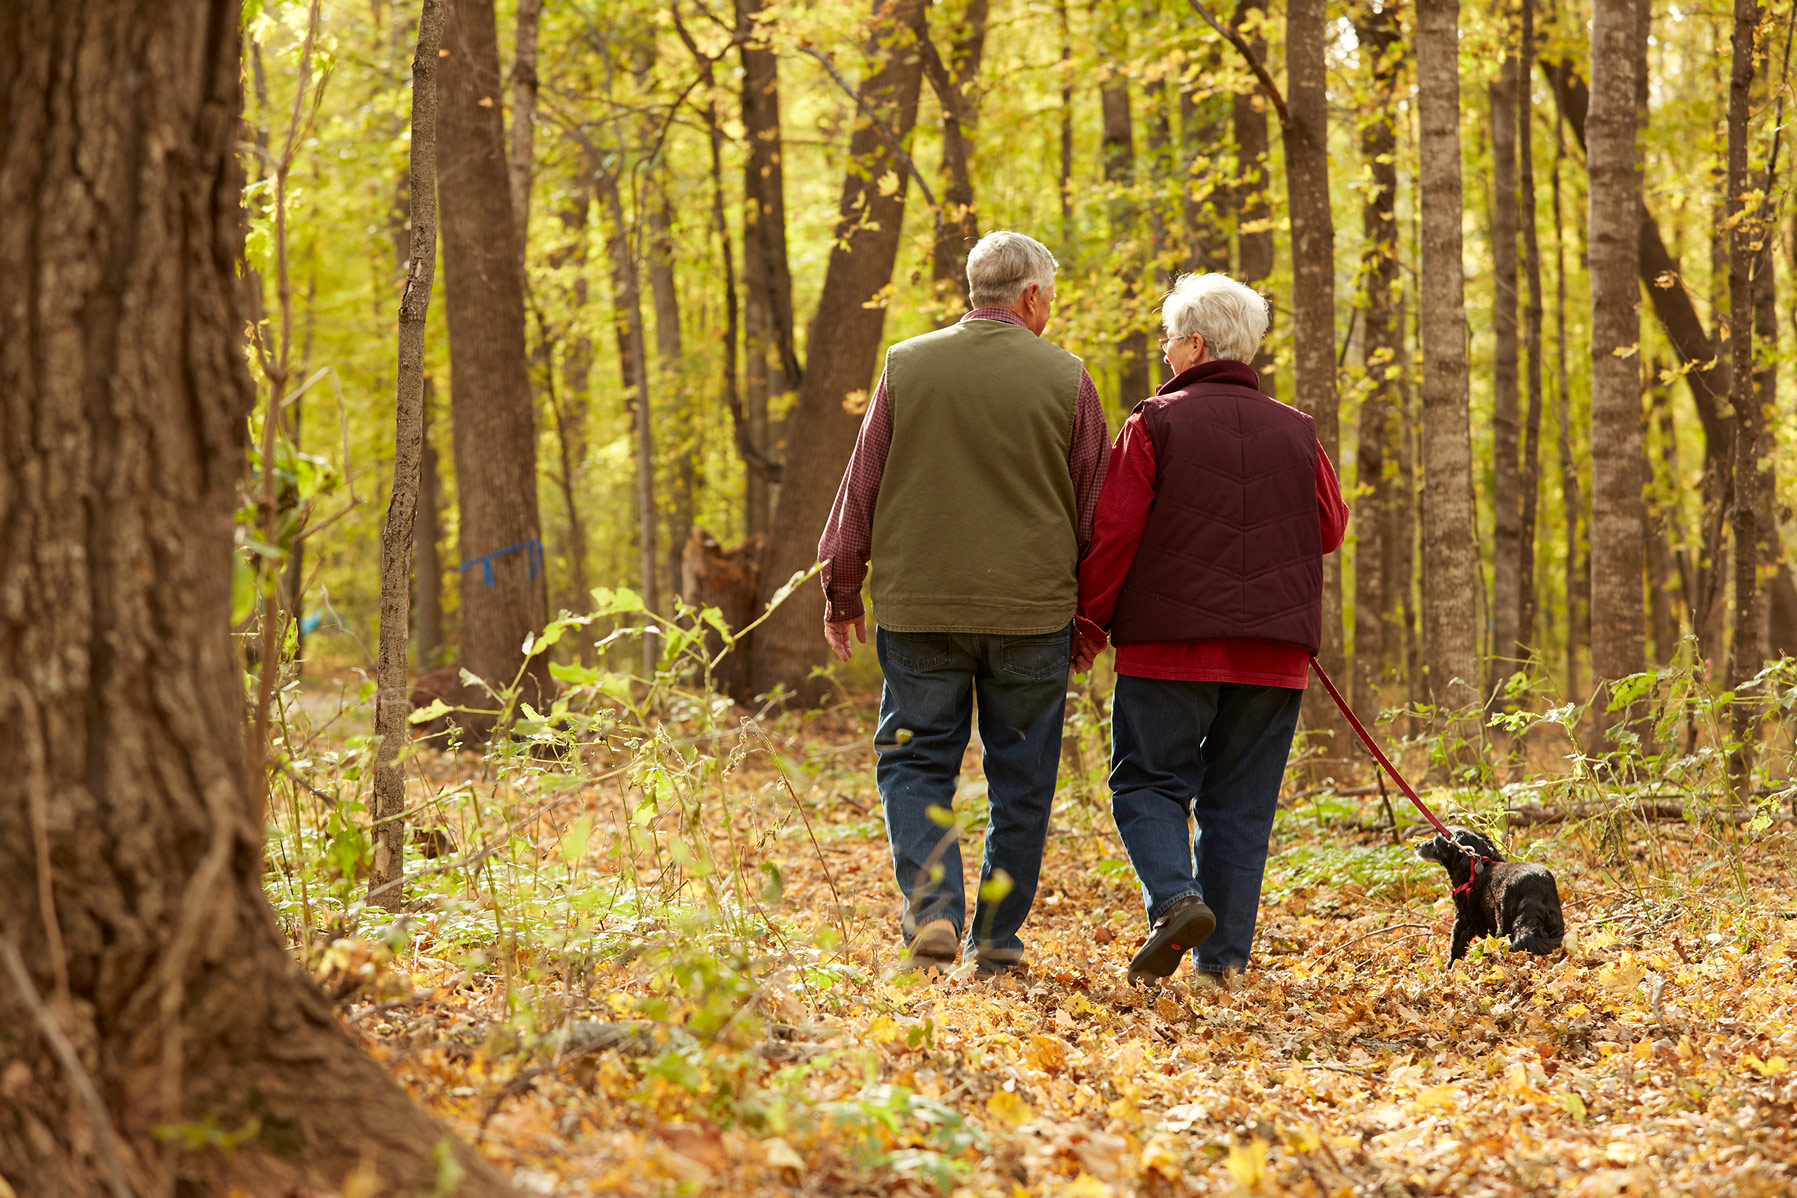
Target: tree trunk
{"type": "Point", "coordinates": [1663, 574]}
{"type": "Point", "coordinates": [427, 556]}
{"type": "Point", "coordinates": [1572, 505]}
{"type": "Point", "coordinates": [1254, 230]}
{"type": "Point", "coordinates": [1743, 248]}
{"type": "Point", "coordinates": [1306, 141]}
{"type": "Point", "coordinates": [1506, 493]}
{"type": "Point", "coordinates": [146, 986]}
{"type": "Point", "coordinates": [1765, 394]}
{"type": "Point", "coordinates": [1617, 518]}
{"type": "Point", "coordinates": [1066, 173]}
{"type": "Point", "coordinates": [1450, 564]}
{"type": "Point", "coordinates": [844, 339]}
{"type": "Point", "coordinates": [954, 83]}
{"type": "Point", "coordinates": [504, 595]}
{"type": "Point", "coordinates": [1119, 149]}
{"type": "Point", "coordinates": [386, 877]}
{"type": "Point", "coordinates": [679, 436]}
{"type": "Point", "coordinates": [1526, 597]}
{"type": "Point", "coordinates": [767, 281]}
{"type": "Point", "coordinates": [571, 399]}
{"type": "Point", "coordinates": [524, 114]}
{"type": "Point", "coordinates": [1376, 635]}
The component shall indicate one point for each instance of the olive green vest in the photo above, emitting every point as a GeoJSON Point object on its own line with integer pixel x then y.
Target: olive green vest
{"type": "Point", "coordinates": [975, 526]}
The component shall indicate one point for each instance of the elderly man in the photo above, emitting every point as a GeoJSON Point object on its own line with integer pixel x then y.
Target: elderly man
{"type": "Point", "coordinates": [1206, 569]}
{"type": "Point", "coordinates": [972, 485]}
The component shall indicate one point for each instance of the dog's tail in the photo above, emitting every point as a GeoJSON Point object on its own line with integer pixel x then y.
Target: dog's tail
{"type": "Point", "coordinates": [1539, 929]}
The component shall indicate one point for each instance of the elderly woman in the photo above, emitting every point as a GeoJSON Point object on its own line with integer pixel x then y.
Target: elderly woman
{"type": "Point", "coordinates": [1206, 570]}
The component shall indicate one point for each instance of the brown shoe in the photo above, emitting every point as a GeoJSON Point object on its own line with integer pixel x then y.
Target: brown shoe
{"type": "Point", "coordinates": [936, 944]}
{"type": "Point", "coordinates": [1186, 925]}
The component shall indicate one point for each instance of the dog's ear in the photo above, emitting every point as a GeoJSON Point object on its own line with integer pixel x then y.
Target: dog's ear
{"type": "Point", "coordinates": [1476, 844]}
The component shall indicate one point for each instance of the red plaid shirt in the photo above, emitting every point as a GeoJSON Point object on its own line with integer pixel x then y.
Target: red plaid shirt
{"type": "Point", "coordinates": [849, 536]}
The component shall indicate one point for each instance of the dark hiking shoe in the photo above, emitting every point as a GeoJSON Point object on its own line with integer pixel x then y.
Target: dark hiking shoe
{"type": "Point", "coordinates": [1186, 925]}
{"type": "Point", "coordinates": [936, 944]}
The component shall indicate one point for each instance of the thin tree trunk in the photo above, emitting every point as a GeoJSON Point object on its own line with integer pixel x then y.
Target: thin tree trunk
{"type": "Point", "coordinates": [1066, 174]}
{"type": "Point", "coordinates": [386, 875]}
{"type": "Point", "coordinates": [1572, 504]}
{"type": "Point", "coordinates": [524, 114]}
{"type": "Point", "coordinates": [1745, 658]}
{"type": "Point", "coordinates": [1450, 564]}
{"type": "Point", "coordinates": [1306, 140]}
{"type": "Point", "coordinates": [143, 982]}
{"type": "Point", "coordinates": [1618, 620]}
{"type": "Point", "coordinates": [1662, 564]}
{"type": "Point", "coordinates": [845, 337]}
{"type": "Point", "coordinates": [1254, 232]}
{"type": "Point", "coordinates": [678, 441]}
{"type": "Point", "coordinates": [1119, 148]}
{"type": "Point", "coordinates": [1376, 634]}
{"type": "Point", "coordinates": [571, 400]}
{"type": "Point", "coordinates": [1506, 572]}
{"type": "Point", "coordinates": [504, 595]}
{"type": "Point", "coordinates": [1527, 598]}
{"type": "Point", "coordinates": [767, 280]}
{"type": "Point", "coordinates": [1765, 396]}
{"type": "Point", "coordinates": [954, 83]}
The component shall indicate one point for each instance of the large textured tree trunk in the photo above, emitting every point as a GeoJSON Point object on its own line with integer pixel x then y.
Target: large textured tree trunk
{"type": "Point", "coordinates": [1572, 507]}
{"type": "Point", "coordinates": [143, 982]}
{"type": "Point", "coordinates": [955, 84]}
{"type": "Point", "coordinates": [771, 365]}
{"type": "Point", "coordinates": [1506, 492]}
{"type": "Point", "coordinates": [1745, 658]}
{"type": "Point", "coordinates": [1450, 564]}
{"type": "Point", "coordinates": [1119, 146]}
{"type": "Point", "coordinates": [427, 554]}
{"type": "Point", "coordinates": [1254, 231]}
{"type": "Point", "coordinates": [504, 592]}
{"type": "Point", "coordinates": [1618, 518]}
{"type": "Point", "coordinates": [845, 337]}
{"type": "Point", "coordinates": [679, 437]}
{"type": "Point", "coordinates": [1376, 634]}
{"type": "Point", "coordinates": [1306, 139]}
{"type": "Point", "coordinates": [1526, 602]}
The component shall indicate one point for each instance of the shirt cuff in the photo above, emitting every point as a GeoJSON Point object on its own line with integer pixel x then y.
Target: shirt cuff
{"type": "Point", "coordinates": [840, 608]}
{"type": "Point", "coordinates": [1092, 633]}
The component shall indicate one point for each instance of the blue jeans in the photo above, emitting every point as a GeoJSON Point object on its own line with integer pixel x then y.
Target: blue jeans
{"type": "Point", "coordinates": [1216, 751]}
{"type": "Point", "coordinates": [926, 717]}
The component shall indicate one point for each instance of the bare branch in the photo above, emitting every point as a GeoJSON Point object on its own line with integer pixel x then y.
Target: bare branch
{"type": "Point", "coordinates": [1234, 37]}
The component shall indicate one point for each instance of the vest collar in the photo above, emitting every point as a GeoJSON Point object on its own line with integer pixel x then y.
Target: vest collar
{"type": "Point", "coordinates": [1218, 370]}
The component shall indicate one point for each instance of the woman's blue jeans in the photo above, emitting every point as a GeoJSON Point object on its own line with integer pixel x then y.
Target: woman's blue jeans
{"type": "Point", "coordinates": [926, 718]}
{"type": "Point", "coordinates": [1214, 751]}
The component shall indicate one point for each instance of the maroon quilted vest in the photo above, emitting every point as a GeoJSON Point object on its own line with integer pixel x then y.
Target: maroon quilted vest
{"type": "Point", "coordinates": [1234, 544]}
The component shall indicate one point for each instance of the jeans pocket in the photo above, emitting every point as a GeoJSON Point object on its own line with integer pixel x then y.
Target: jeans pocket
{"type": "Point", "coordinates": [1037, 658]}
{"type": "Point", "coordinates": [912, 651]}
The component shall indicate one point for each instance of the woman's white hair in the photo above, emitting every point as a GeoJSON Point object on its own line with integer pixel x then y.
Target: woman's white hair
{"type": "Point", "coordinates": [1002, 264]}
{"type": "Point", "coordinates": [1230, 316]}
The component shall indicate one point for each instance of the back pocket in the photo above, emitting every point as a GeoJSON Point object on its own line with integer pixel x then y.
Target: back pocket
{"type": "Point", "coordinates": [1038, 658]}
{"type": "Point", "coordinates": [915, 651]}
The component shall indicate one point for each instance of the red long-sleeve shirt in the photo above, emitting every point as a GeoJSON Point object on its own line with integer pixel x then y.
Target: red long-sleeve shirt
{"type": "Point", "coordinates": [849, 535]}
{"type": "Point", "coordinates": [1121, 520]}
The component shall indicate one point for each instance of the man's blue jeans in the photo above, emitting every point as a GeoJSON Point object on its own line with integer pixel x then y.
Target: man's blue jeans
{"type": "Point", "coordinates": [926, 717]}
{"type": "Point", "coordinates": [1217, 751]}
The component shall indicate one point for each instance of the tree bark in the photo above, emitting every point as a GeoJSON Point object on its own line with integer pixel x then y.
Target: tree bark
{"type": "Point", "coordinates": [1450, 565]}
{"type": "Point", "coordinates": [504, 592]}
{"type": "Point", "coordinates": [427, 556]}
{"type": "Point", "coordinates": [386, 876]}
{"type": "Point", "coordinates": [844, 339]}
{"type": "Point", "coordinates": [955, 83]}
{"type": "Point", "coordinates": [1119, 149]}
{"type": "Point", "coordinates": [1306, 141]}
{"type": "Point", "coordinates": [1745, 658]}
{"type": "Point", "coordinates": [1572, 505]}
{"type": "Point", "coordinates": [767, 280]}
{"type": "Point", "coordinates": [1254, 230]}
{"type": "Point", "coordinates": [1066, 172]}
{"type": "Point", "coordinates": [1765, 398]}
{"type": "Point", "coordinates": [144, 984]}
{"type": "Point", "coordinates": [1663, 569]}
{"type": "Point", "coordinates": [572, 398]}
{"type": "Point", "coordinates": [1618, 619]}
{"type": "Point", "coordinates": [679, 438]}
{"type": "Point", "coordinates": [1527, 600]}
{"type": "Point", "coordinates": [524, 114]}
{"type": "Point", "coordinates": [1377, 635]}
{"type": "Point", "coordinates": [1506, 495]}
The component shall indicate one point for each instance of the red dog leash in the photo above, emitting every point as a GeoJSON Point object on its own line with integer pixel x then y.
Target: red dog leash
{"type": "Point", "coordinates": [1373, 748]}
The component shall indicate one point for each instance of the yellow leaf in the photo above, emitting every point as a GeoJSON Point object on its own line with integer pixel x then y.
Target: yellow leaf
{"type": "Point", "coordinates": [778, 1153]}
{"type": "Point", "coordinates": [884, 1030]}
{"type": "Point", "coordinates": [1161, 1155]}
{"type": "Point", "coordinates": [889, 183]}
{"type": "Point", "coordinates": [1438, 1098]}
{"type": "Point", "coordinates": [1008, 1110]}
{"type": "Point", "coordinates": [1247, 1163]}
{"type": "Point", "coordinates": [1621, 977]}
{"type": "Point", "coordinates": [855, 402]}
{"type": "Point", "coordinates": [1047, 1053]}
{"type": "Point", "coordinates": [1086, 1186]}
{"type": "Point", "coordinates": [484, 102]}
{"type": "Point", "coordinates": [1771, 1068]}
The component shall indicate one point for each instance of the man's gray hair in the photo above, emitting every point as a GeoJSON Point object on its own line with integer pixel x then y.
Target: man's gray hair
{"type": "Point", "coordinates": [1003, 264]}
{"type": "Point", "coordinates": [1230, 316]}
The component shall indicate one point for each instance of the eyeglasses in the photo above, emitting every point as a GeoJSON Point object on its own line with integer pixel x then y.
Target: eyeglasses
{"type": "Point", "coordinates": [1166, 341]}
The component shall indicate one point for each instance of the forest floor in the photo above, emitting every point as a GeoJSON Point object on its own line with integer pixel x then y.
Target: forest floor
{"type": "Point", "coordinates": [709, 1004]}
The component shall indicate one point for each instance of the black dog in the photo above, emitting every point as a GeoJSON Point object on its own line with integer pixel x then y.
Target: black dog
{"type": "Point", "coordinates": [1495, 897]}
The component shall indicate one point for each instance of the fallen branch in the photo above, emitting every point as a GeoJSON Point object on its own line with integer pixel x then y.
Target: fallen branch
{"type": "Point", "coordinates": [1647, 810]}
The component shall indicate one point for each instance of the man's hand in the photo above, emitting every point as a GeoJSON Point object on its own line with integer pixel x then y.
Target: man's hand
{"type": "Point", "coordinates": [836, 635]}
{"type": "Point", "coordinates": [1084, 654]}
